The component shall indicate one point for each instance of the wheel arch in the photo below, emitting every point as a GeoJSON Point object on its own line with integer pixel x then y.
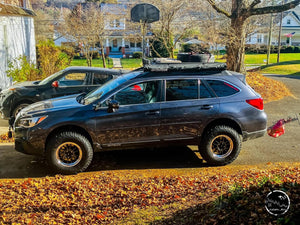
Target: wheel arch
{"type": "Point", "coordinates": [21, 101]}
{"type": "Point", "coordinates": [222, 121]}
{"type": "Point", "coordinates": [72, 128]}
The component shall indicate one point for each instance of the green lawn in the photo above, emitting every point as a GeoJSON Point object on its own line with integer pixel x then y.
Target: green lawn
{"type": "Point", "coordinates": [131, 63]}
{"type": "Point", "coordinates": [289, 63]}
{"type": "Point", "coordinates": [262, 58]}
{"type": "Point", "coordinates": [95, 63]}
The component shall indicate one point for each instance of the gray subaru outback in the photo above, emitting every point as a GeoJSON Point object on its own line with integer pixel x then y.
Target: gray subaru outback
{"type": "Point", "coordinates": [160, 104]}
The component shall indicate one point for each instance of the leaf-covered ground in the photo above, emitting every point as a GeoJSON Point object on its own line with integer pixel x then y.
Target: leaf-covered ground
{"type": "Point", "coordinates": [231, 194]}
{"type": "Point", "coordinates": [5, 139]}
{"type": "Point", "coordinates": [269, 89]}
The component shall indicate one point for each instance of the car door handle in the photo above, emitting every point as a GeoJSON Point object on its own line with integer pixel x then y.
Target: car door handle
{"type": "Point", "coordinates": [152, 113]}
{"type": "Point", "coordinates": [206, 107]}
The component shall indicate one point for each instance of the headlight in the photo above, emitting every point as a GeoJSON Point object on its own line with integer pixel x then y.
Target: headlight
{"type": "Point", "coordinates": [30, 122]}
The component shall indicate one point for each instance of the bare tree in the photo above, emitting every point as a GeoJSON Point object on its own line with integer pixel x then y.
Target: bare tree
{"type": "Point", "coordinates": [238, 13]}
{"type": "Point", "coordinates": [86, 26]}
{"type": "Point", "coordinates": [176, 22]}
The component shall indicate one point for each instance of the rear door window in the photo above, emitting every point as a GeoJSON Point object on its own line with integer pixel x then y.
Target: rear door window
{"type": "Point", "coordinates": [204, 92]}
{"type": "Point", "coordinates": [99, 79]}
{"type": "Point", "coordinates": [181, 89]}
{"type": "Point", "coordinates": [222, 88]}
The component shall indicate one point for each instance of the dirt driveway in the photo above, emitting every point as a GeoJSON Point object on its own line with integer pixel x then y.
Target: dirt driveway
{"type": "Point", "coordinates": [259, 151]}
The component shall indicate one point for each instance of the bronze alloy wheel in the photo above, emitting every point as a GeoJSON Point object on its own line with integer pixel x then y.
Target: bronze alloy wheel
{"type": "Point", "coordinates": [68, 154]}
{"type": "Point", "coordinates": [221, 146]}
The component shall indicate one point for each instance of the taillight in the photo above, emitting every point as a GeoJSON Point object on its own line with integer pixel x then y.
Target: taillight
{"type": "Point", "coordinates": [257, 103]}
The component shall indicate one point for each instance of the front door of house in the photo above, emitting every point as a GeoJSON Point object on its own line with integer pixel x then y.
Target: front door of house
{"type": "Point", "coordinates": [115, 46]}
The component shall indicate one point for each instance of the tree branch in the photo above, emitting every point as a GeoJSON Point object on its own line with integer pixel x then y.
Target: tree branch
{"type": "Point", "coordinates": [254, 3]}
{"type": "Point", "coordinates": [219, 10]}
{"type": "Point", "coordinates": [274, 9]}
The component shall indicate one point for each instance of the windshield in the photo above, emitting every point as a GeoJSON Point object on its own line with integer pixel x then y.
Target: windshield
{"type": "Point", "coordinates": [47, 79]}
{"type": "Point", "coordinates": [110, 85]}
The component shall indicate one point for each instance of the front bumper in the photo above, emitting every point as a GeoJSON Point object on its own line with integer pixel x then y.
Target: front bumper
{"type": "Point", "coordinates": [29, 141]}
{"type": "Point", "coordinates": [5, 114]}
{"type": "Point", "coordinates": [26, 147]}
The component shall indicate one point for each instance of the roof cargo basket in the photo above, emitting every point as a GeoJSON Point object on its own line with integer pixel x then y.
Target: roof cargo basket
{"type": "Point", "coordinates": [164, 65]}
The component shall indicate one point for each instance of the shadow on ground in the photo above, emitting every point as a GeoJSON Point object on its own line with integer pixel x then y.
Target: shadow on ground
{"type": "Point", "coordinates": [240, 206]}
{"type": "Point", "coordinates": [170, 157]}
{"type": "Point", "coordinates": [18, 165]}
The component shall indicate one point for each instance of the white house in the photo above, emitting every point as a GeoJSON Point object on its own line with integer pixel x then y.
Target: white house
{"type": "Point", "coordinates": [120, 40]}
{"type": "Point", "coordinates": [16, 35]}
{"type": "Point", "coordinates": [290, 25]}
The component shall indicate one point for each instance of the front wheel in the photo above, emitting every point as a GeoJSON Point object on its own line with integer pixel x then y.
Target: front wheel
{"type": "Point", "coordinates": [69, 153]}
{"type": "Point", "coordinates": [18, 108]}
{"type": "Point", "coordinates": [221, 145]}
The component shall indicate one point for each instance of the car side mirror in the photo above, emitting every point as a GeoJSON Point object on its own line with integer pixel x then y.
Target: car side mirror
{"type": "Point", "coordinates": [113, 106]}
{"type": "Point", "coordinates": [55, 84]}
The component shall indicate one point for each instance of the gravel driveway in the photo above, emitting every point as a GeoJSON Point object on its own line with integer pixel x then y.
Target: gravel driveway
{"type": "Point", "coordinates": [259, 151]}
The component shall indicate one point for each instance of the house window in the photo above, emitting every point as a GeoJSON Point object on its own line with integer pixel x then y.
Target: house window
{"type": "Point", "coordinates": [288, 21]}
{"type": "Point", "coordinates": [249, 38]}
{"type": "Point", "coordinates": [259, 38]}
{"type": "Point", "coordinates": [132, 44]}
{"type": "Point", "coordinates": [117, 23]}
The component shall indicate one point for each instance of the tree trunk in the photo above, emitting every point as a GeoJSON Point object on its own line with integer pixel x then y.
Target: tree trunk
{"type": "Point", "coordinates": [236, 45]}
{"type": "Point", "coordinates": [103, 56]}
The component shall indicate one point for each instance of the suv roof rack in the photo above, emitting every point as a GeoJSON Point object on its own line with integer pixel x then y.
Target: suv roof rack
{"type": "Point", "coordinates": [165, 65]}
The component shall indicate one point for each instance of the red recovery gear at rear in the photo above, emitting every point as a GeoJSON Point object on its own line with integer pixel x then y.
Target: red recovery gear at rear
{"type": "Point", "coordinates": [277, 129]}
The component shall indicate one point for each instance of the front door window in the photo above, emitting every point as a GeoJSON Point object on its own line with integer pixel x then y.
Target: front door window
{"type": "Point", "coordinates": [141, 93]}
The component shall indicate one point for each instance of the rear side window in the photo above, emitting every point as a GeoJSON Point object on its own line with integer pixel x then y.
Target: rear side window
{"type": "Point", "coordinates": [204, 93]}
{"type": "Point", "coordinates": [101, 78]}
{"type": "Point", "coordinates": [222, 88]}
{"type": "Point", "coordinates": [181, 90]}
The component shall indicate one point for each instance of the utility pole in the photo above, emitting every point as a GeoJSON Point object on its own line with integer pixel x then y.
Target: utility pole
{"type": "Point", "coordinates": [270, 36]}
{"type": "Point", "coordinates": [279, 36]}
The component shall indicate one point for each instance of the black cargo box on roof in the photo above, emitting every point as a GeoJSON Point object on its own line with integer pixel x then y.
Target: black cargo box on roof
{"type": "Point", "coordinates": [175, 65]}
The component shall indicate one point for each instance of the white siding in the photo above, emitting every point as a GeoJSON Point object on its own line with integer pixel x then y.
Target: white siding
{"type": "Point", "coordinates": [290, 21]}
{"type": "Point", "coordinates": [16, 38]}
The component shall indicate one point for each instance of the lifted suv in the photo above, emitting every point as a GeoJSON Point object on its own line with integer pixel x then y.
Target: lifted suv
{"type": "Point", "coordinates": [161, 104]}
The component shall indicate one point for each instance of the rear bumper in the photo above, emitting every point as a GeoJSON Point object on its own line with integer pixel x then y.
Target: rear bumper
{"type": "Point", "coordinates": [248, 136]}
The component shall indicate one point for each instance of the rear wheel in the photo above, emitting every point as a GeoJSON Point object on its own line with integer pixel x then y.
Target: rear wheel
{"type": "Point", "coordinates": [69, 152]}
{"type": "Point", "coordinates": [220, 145]}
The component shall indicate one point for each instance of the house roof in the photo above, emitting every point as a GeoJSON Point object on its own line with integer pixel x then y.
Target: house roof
{"type": "Point", "coordinates": [296, 15]}
{"type": "Point", "coordinates": [11, 10]}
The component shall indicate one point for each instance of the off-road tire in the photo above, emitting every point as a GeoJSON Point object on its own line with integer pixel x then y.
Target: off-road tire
{"type": "Point", "coordinates": [69, 153]}
{"type": "Point", "coordinates": [220, 146]}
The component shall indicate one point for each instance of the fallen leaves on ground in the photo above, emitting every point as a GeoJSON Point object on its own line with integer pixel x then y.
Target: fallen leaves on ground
{"type": "Point", "coordinates": [5, 139]}
{"type": "Point", "coordinates": [110, 196]}
{"type": "Point", "coordinates": [269, 89]}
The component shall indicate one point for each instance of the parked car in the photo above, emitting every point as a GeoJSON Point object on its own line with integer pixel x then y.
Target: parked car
{"type": "Point", "coordinates": [161, 104]}
{"type": "Point", "coordinates": [72, 80]}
